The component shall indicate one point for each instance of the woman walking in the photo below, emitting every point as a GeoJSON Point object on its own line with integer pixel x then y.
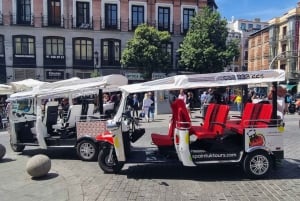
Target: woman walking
{"type": "Point", "coordinates": [146, 105]}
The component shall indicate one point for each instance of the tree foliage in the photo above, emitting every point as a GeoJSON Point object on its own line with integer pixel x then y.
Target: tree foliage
{"type": "Point", "coordinates": [204, 48]}
{"type": "Point", "coordinates": [146, 51]}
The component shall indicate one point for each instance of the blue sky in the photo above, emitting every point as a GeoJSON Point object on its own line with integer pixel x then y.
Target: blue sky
{"type": "Point", "coordinates": [250, 9]}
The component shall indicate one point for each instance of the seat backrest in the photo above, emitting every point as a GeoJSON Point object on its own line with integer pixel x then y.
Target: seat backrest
{"type": "Point", "coordinates": [247, 114]}
{"type": "Point", "coordinates": [91, 109]}
{"type": "Point", "coordinates": [51, 113]}
{"type": "Point", "coordinates": [220, 118]}
{"type": "Point", "coordinates": [73, 113]}
{"type": "Point", "coordinates": [209, 115]}
{"type": "Point", "coordinates": [173, 119]}
{"type": "Point", "coordinates": [264, 116]}
{"type": "Point", "coordinates": [183, 117]}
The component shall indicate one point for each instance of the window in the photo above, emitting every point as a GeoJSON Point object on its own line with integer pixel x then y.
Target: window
{"type": "Point", "coordinates": [111, 16]}
{"type": "Point", "coordinates": [243, 26]}
{"type": "Point", "coordinates": [24, 12]}
{"type": "Point", "coordinates": [24, 46]}
{"type": "Point", "coordinates": [83, 14]}
{"type": "Point", "coordinates": [1, 46]}
{"type": "Point", "coordinates": [110, 52]}
{"type": "Point", "coordinates": [54, 47]}
{"type": "Point", "coordinates": [250, 26]}
{"type": "Point", "coordinates": [54, 12]}
{"type": "Point", "coordinates": [168, 48]}
{"type": "Point", "coordinates": [83, 51]}
{"type": "Point", "coordinates": [137, 15]}
{"type": "Point", "coordinates": [163, 18]}
{"type": "Point", "coordinates": [188, 14]}
{"type": "Point", "coordinates": [258, 26]}
{"type": "Point", "coordinates": [54, 51]}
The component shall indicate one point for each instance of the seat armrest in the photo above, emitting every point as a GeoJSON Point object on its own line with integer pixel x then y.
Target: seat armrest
{"type": "Point", "coordinates": [235, 116]}
{"type": "Point", "coordinates": [219, 123]}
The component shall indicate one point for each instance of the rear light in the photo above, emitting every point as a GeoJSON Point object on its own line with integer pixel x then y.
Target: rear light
{"type": "Point", "coordinates": [177, 139]}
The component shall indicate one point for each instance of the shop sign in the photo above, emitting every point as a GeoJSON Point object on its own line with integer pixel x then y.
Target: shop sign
{"type": "Point", "coordinates": [54, 75]}
{"type": "Point", "coordinates": [156, 76]}
{"type": "Point", "coordinates": [134, 76]}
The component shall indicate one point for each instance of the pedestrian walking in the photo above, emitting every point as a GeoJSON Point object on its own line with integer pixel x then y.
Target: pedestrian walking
{"type": "Point", "coordinates": [146, 105]}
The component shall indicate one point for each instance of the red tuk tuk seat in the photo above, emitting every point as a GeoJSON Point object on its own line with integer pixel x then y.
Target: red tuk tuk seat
{"type": "Point", "coordinates": [254, 115]}
{"type": "Point", "coordinates": [167, 140]}
{"type": "Point", "coordinates": [217, 124]}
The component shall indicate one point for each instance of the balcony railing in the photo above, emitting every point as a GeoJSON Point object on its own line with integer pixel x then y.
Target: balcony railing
{"type": "Point", "coordinates": [22, 20]}
{"type": "Point", "coordinates": [54, 22]}
{"type": "Point", "coordinates": [110, 25]}
{"type": "Point", "coordinates": [86, 25]}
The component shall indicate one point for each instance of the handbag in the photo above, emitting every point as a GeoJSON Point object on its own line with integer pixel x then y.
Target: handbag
{"type": "Point", "coordinates": [142, 114]}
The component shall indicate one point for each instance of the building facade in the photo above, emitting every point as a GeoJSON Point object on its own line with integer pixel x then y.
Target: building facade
{"type": "Point", "coordinates": [52, 40]}
{"type": "Point", "coordinates": [258, 50]}
{"type": "Point", "coordinates": [277, 47]}
{"type": "Point", "coordinates": [245, 28]}
{"type": "Point", "coordinates": [284, 44]}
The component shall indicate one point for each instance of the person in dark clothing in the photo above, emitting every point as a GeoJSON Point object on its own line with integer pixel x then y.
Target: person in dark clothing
{"type": "Point", "coordinates": [135, 106]}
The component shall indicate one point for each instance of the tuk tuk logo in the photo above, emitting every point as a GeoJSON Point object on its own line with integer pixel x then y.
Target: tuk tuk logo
{"type": "Point", "coordinates": [255, 139]}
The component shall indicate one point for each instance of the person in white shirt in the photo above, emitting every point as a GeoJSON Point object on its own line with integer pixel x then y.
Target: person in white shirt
{"type": "Point", "coordinates": [182, 95]}
{"type": "Point", "coordinates": [146, 105]}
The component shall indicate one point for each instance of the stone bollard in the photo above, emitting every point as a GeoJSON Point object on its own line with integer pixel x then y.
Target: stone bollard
{"type": "Point", "coordinates": [2, 151]}
{"type": "Point", "coordinates": [38, 165]}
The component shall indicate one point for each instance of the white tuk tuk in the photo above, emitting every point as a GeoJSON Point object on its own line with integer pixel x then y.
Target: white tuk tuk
{"type": "Point", "coordinates": [37, 119]}
{"type": "Point", "coordinates": [255, 140]}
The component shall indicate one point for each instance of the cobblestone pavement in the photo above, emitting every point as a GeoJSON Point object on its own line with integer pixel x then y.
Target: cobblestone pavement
{"type": "Point", "coordinates": [72, 179]}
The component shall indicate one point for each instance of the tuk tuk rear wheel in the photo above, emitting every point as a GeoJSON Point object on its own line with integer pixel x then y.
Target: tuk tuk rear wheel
{"type": "Point", "coordinates": [87, 150]}
{"type": "Point", "coordinates": [257, 164]}
{"type": "Point", "coordinates": [109, 166]}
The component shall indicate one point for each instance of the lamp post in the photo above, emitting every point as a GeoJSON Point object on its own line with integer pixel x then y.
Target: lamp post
{"type": "Point", "coordinates": [280, 55]}
{"type": "Point", "coordinates": [96, 57]}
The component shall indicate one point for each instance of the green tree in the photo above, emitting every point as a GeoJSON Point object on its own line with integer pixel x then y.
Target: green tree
{"type": "Point", "coordinates": [147, 51]}
{"type": "Point", "coordinates": [204, 48]}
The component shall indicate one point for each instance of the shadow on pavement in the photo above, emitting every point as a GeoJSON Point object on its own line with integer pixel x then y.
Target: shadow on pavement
{"type": "Point", "coordinates": [6, 160]}
{"type": "Point", "coordinates": [53, 153]}
{"type": "Point", "coordinates": [288, 169]}
{"type": "Point", "coordinates": [48, 176]}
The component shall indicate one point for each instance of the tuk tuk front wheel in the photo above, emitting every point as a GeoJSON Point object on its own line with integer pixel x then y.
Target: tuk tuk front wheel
{"type": "Point", "coordinates": [16, 147]}
{"type": "Point", "coordinates": [257, 164]}
{"type": "Point", "coordinates": [87, 150]}
{"type": "Point", "coordinates": [108, 161]}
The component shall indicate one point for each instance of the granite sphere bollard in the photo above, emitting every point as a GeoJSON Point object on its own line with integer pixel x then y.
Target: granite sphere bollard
{"type": "Point", "coordinates": [38, 165]}
{"type": "Point", "coordinates": [2, 151]}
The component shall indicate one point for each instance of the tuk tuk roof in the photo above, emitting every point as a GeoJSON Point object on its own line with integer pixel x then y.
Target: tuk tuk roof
{"type": "Point", "coordinates": [83, 86]}
{"type": "Point", "coordinates": [207, 80]}
{"type": "Point", "coordinates": [75, 86]}
{"type": "Point", "coordinates": [5, 89]}
{"type": "Point", "coordinates": [25, 85]}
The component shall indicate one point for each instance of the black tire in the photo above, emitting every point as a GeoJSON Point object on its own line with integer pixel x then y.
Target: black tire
{"type": "Point", "coordinates": [257, 164]}
{"type": "Point", "coordinates": [87, 150]}
{"type": "Point", "coordinates": [109, 167]}
{"type": "Point", "coordinates": [17, 148]}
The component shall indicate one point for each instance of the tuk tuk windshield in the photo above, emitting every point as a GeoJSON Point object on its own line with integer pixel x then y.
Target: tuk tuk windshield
{"type": "Point", "coordinates": [22, 106]}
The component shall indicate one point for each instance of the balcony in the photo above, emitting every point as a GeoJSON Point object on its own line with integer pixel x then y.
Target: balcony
{"type": "Point", "coordinates": [283, 37]}
{"type": "Point", "coordinates": [110, 25]}
{"type": "Point", "coordinates": [58, 22]}
{"type": "Point", "coordinates": [22, 20]}
{"type": "Point", "coordinates": [84, 25]}
{"type": "Point", "coordinates": [1, 19]}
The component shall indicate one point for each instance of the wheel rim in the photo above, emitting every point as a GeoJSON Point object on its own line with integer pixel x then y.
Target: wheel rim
{"type": "Point", "coordinates": [259, 164]}
{"type": "Point", "coordinates": [87, 150]}
{"type": "Point", "coordinates": [110, 162]}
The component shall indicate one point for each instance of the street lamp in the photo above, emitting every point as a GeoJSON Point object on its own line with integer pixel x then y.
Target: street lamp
{"type": "Point", "coordinates": [96, 56]}
{"type": "Point", "coordinates": [280, 55]}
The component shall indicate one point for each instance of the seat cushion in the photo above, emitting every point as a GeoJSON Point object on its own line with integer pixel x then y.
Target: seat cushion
{"type": "Point", "coordinates": [161, 140]}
